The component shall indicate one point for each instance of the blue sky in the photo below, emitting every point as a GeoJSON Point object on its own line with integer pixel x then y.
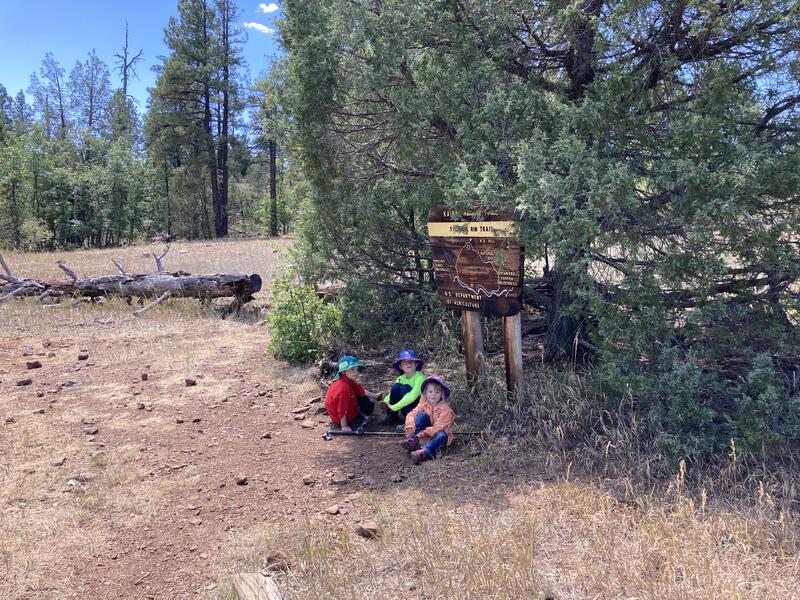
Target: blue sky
{"type": "Point", "coordinates": [70, 29]}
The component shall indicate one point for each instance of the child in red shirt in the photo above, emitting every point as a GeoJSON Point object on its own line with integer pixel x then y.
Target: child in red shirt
{"type": "Point", "coordinates": [346, 402]}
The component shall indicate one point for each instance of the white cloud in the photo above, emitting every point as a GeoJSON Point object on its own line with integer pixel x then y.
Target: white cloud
{"type": "Point", "coordinates": [259, 27]}
{"type": "Point", "coordinates": [267, 8]}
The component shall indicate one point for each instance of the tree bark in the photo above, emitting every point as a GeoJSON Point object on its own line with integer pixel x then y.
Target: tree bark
{"type": "Point", "coordinates": [273, 195]}
{"type": "Point", "coordinates": [151, 285]}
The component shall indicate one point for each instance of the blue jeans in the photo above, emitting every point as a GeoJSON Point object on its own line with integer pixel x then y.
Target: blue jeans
{"type": "Point", "coordinates": [396, 393]}
{"type": "Point", "coordinates": [421, 421]}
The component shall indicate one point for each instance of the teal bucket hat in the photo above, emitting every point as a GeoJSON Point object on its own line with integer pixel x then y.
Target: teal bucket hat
{"type": "Point", "coordinates": [348, 362]}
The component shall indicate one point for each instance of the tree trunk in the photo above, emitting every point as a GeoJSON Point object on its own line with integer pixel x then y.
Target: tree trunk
{"type": "Point", "coordinates": [213, 174]}
{"type": "Point", "coordinates": [273, 195]}
{"type": "Point", "coordinates": [563, 332]}
{"type": "Point", "coordinates": [222, 228]}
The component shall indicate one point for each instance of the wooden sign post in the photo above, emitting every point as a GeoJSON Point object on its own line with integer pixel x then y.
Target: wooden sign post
{"type": "Point", "coordinates": [479, 269]}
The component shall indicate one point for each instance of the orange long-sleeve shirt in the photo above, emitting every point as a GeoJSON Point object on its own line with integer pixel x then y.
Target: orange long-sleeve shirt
{"type": "Point", "coordinates": [442, 419]}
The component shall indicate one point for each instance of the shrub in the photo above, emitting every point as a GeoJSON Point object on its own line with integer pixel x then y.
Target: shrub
{"type": "Point", "coordinates": [303, 326]}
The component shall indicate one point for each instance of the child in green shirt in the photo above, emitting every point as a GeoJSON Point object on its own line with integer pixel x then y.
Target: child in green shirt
{"type": "Point", "coordinates": [405, 392]}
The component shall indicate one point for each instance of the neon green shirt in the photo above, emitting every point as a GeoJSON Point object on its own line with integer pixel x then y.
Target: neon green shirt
{"type": "Point", "coordinates": [416, 389]}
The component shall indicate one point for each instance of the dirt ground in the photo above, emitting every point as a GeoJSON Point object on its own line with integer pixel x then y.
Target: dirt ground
{"type": "Point", "coordinates": [155, 456]}
{"type": "Point", "coordinates": [125, 473]}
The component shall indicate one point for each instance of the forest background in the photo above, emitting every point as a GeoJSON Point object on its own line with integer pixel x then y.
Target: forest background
{"type": "Point", "coordinates": [649, 150]}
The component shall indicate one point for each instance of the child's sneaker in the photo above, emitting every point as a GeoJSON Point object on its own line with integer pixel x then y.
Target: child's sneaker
{"type": "Point", "coordinates": [411, 443]}
{"type": "Point", "coordinates": [419, 456]}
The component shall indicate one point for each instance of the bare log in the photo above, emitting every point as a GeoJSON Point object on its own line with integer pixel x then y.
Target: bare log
{"type": "Point", "coordinates": [255, 586]}
{"type": "Point", "coordinates": [239, 286]}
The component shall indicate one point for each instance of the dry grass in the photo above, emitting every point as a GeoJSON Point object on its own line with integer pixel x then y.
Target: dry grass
{"type": "Point", "coordinates": [559, 515]}
{"type": "Point", "coordinates": [50, 512]}
{"type": "Point", "coordinates": [458, 532]}
{"type": "Point", "coordinates": [562, 513]}
{"type": "Point", "coordinates": [248, 256]}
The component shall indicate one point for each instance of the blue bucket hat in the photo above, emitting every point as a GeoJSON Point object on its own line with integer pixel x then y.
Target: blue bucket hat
{"type": "Point", "coordinates": [348, 362]}
{"type": "Point", "coordinates": [407, 355]}
{"type": "Point", "coordinates": [436, 379]}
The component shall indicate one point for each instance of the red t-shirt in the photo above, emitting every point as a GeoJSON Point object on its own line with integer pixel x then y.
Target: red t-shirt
{"type": "Point", "coordinates": [341, 399]}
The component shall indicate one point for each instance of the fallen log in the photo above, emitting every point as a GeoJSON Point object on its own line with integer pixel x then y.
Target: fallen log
{"type": "Point", "coordinates": [180, 284]}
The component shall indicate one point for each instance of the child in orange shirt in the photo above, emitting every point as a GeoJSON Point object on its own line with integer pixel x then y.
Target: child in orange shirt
{"type": "Point", "coordinates": [429, 426]}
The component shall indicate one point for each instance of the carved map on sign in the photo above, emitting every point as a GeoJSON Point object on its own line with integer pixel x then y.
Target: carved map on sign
{"type": "Point", "coordinates": [476, 264]}
{"type": "Point", "coordinates": [469, 276]}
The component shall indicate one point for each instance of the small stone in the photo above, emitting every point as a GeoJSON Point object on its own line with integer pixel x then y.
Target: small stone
{"type": "Point", "coordinates": [267, 436]}
{"type": "Point", "coordinates": [179, 420]}
{"type": "Point", "coordinates": [343, 511]}
{"type": "Point", "coordinates": [10, 420]}
{"type": "Point", "coordinates": [369, 530]}
{"type": "Point", "coordinates": [27, 381]}
{"type": "Point", "coordinates": [91, 430]}
{"type": "Point", "coordinates": [241, 480]}
{"type": "Point", "coordinates": [397, 478]}
{"type": "Point", "coordinates": [299, 417]}
{"type": "Point", "coordinates": [333, 509]}
{"type": "Point", "coordinates": [308, 424]}
{"type": "Point", "coordinates": [203, 555]}
{"type": "Point", "coordinates": [301, 410]}
{"type": "Point", "coordinates": [339, 479]}
{"type": "Point", "coordinates": [145, 376]}
{"type": "Point", "coordinates": [34, 364]}
{"type": "Point", "coordinates": [40, 394]}
{"type": "Point", "coordinates": [140, 406]}
{"type": "Point", "coordinates": [196, 419]}
{"type": "Point", "coordinates": [83, 355]}
{"type": "Point", "coordinates": [190, 382]}
{"type": "Point", "coordinates": [309, 480]}
{"type": "Point", "coordinates": [57, 462]}
{"type": "Point", "coordinates": [196, 521]}
{"type": "Point", "coordinates": [39, 412]}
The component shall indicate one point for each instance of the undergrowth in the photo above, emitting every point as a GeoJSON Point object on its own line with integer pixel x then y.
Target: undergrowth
{"type": "Point", "coordinates": [583, 504]}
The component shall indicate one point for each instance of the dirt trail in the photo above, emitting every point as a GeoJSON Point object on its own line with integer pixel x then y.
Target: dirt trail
{"type": "Point", "coordinates": [154, 490]}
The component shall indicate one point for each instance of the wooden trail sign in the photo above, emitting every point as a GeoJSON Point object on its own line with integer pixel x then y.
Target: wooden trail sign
{"type": "Point", "coordinates": [477, 266]}
{"type": "Point", "coordinates": [478, 269]}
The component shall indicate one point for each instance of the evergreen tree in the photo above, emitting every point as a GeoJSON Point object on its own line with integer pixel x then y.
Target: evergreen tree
{"type": "Point", "coordinates": [270, 124]}
{"type": "Point", "coordinates": [193, 96]}
{"type": "Point", "coordinates": [89, 95]}
{"type": "Point", "coordinates": [649, 149]}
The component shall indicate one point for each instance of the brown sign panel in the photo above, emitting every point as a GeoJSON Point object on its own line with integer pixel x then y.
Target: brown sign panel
{"type": "Point", "coordinates": [476, 265]}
